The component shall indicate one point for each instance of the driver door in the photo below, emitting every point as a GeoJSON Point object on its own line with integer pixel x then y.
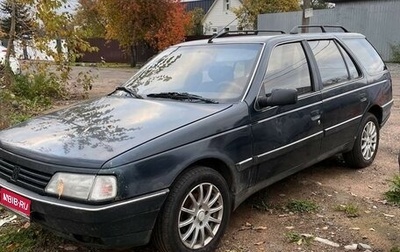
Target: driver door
{"type": "Point", "coordinates": [287, 138]}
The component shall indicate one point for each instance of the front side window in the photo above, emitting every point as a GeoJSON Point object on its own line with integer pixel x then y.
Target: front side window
{"type": "Point", "coordinates": [330, 62]}
{"type": "Point", "coordinates": [288, 68]}
{"type": "Point", "coordinates": [218, 72]}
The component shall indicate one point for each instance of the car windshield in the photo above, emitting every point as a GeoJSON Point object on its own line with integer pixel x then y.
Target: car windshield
{"type": "Point", "coordinates": [219, 73]}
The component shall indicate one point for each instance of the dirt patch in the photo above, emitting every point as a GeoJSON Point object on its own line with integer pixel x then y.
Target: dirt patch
{"type": "Point", "coordinates": [263, 222]}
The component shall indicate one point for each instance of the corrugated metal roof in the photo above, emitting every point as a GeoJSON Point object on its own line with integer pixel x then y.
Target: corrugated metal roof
{"type": "Point", "coordinates": [203, 4]}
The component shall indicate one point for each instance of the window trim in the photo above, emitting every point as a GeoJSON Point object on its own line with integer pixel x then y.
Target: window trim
{"type": "Point", "coordinates": [353, 57]}
{"type": "Point", "coordinates": [338, 46]}
{"type": "Point", "coordinates": [305, 56]}
{"type": "Point", "coordinates": [356, 65]}
{"type": "Point", "coordinates": [315, 88]}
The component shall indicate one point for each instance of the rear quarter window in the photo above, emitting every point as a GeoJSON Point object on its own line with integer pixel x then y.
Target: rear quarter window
{"type": "Point", "coordinates": [366, 54]}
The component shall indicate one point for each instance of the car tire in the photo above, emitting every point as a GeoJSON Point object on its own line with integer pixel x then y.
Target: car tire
{"type": "Point", "coordinates": [366, 144]}
{"type": "Point", "coordinates": [195, 214]}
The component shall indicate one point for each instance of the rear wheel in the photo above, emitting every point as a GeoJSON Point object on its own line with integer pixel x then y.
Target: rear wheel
{"type": "Point", "coordinates": [195, 214]}
{"type": "Point", "coordinates": [366, 144]}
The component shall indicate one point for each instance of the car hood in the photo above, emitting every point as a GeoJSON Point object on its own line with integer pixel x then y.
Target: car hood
{"type": "Point", "coordinates": [90, 133]}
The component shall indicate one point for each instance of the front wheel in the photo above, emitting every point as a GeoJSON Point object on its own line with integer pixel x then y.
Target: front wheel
{"type": "Point", "coordinates": [195, 214]}
{"type": "Point", "coordinates": [366, 144]}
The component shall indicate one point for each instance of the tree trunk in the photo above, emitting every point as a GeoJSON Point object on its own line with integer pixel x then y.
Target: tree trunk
{"type": "Point", "coordinates": [7, 70]}
{"type": "Point", "coordinates": [133, 55]}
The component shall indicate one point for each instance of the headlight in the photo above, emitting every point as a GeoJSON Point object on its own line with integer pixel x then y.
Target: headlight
{"type": "Point", "coordinates": [86, 187]}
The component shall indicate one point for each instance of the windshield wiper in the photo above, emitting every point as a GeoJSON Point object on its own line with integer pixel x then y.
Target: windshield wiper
{"type": "Point", "coordinates": [129, 91]}
{"type": "Point", "coordinates": [182, 96]}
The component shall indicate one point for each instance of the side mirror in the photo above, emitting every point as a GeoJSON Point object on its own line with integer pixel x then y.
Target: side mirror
{"type": "Point", "coordinates": [278, 97]}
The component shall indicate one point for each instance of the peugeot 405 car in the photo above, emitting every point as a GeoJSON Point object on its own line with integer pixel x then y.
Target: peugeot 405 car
{"type": "Point", "coordinates": [171, 153]}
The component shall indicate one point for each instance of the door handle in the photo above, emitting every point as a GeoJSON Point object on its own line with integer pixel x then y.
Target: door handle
{"type": "Point", "coordinates": [315, 115]}
{"type": "Point", "coordinates": [363, 97]}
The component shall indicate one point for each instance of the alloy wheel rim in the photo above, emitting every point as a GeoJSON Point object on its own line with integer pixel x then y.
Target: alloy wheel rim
{"type": "Point", "coordinates": [200, 216]}
{"type": "Point", "coordinates": [369, 139]}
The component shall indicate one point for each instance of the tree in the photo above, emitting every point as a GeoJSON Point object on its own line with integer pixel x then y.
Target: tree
{"type": "Point", "coordinates": [171, 29]}
{"type": "Point", "coordinates": [250, 9]}
{"type": "Point", "coordinates": [23, 20]}
{"type": "Point", "coordinates": [89, 19]}
{"type": "Point", "coordinates": [157, 23]}
{"type": "Point", "coordinates": [49, 24]}
{"type": "Point", "coordinates": [11, 36]}
{"type": "Point", "coordinates": [319, 4]}
{"type": "Point", "coordinates": [2, 33]}
{"type": "Point", "coordinates": [195, 27]}
{"type": "Point", "coordinates": [34, 90]}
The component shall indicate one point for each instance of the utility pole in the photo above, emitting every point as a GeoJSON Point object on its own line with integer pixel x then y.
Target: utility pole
{"type": "Point", "coordinates": [306, 19]}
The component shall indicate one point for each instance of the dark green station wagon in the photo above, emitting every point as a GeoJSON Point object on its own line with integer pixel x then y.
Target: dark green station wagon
{"type": "Point", "coordinates": [170, 154]}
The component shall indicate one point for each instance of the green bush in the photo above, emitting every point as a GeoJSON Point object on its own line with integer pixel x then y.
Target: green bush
{"type": "Point", "coordinates": [39, 88]}
{"type": "Point", "coordinates": [395, 53]}
{"type": "Point", "coordinates": [393, 195]}
{"type": "Point", "coordinates": [350, 210]}
{"type": "Point", "coordinates": [27, 95]}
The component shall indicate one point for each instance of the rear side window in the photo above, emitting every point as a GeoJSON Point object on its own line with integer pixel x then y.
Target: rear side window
{"type": "Point", "coordinates": [331, 64]}
{"type": "Point", "coordinates": [366, 54]}
{"type": "Point", "coordinates": [288, 68]}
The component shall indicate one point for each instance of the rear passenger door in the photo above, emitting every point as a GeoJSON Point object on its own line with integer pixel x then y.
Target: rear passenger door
{"type": "Point", "coordinates": [288, 137]}
{"type": "Point", "coordinates": [344, 99]}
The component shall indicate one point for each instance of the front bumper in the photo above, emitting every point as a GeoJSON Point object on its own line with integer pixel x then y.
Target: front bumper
{"type": "Point", "coordinates": [121, 224]}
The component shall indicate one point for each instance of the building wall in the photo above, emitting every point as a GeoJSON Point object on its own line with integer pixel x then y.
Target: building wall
{"type": "Point", "coordinates": [378, 20]}
{"type": "Point", "coordinates": [218, 18]}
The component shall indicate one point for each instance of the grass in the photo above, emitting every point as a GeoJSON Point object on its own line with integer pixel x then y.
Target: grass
{"type": "Point", "coordinates": [301, 206]}
{"type": "Point", "coordinates": [393, 195]}
{"type": "Point", "coordinates": [293, 236]}
{"type": "Point", "coordinates": [20, 239]}
{"type": "Point", "coordinates": [298, 238]}
{"type": "Point", "coordinates": [395, 249]}
{"type": "Point", "coordinates": [104, 64]}
{"type": "Point", "coordinates": [350, 210]}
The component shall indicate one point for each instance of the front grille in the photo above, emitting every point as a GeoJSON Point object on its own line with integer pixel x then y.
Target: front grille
{"type": "Point", "coordinates": [24, 176]}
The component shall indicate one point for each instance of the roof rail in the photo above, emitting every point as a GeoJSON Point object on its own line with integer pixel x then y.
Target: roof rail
{"type": "Point", "coordinates": [295, 29]}
{"type": "Point", "coordinates": [241, 33]}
